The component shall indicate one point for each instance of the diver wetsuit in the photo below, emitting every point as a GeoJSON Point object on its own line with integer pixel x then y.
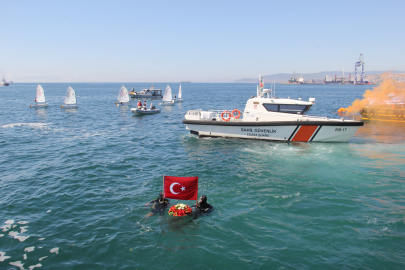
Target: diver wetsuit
{"type": "Point", "coordinates": [159, 205]}
{"type": "Point", "coordinates": [202, 206]}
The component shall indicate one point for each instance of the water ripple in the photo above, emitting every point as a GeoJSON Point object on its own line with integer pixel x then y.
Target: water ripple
{"type": "Point", "coordinates": [76, 183]}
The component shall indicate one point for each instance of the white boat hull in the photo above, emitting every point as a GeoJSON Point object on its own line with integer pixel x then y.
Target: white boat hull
{"type": "Point", "coordinates": [69, 106]}
{"type": "Point", "coordinates": [142, 111]}
{"type": "Point", "coordinates": [167, 103]}
{"type": "Point", "coordinates": [122, 103]}
{"type": "Point", "coordinates": [39, 105]}
{"type": "Point", "coordinates": [316, 131]}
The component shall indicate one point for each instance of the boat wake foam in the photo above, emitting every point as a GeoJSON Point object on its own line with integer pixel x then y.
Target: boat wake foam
{"type": "Point", "coordinates": [10, 224]}
{"type": "Point", "coordinates": [35, 125]}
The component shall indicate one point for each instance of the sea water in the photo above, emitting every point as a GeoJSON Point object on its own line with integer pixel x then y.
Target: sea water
{"type": "Point", "coordinates": [74, 184]}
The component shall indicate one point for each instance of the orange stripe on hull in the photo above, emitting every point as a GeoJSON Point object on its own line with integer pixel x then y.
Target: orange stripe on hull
{"type": "Point", "coordinates": [304, 133]}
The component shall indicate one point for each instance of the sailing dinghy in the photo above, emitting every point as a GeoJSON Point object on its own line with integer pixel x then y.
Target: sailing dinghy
{"type": "Point", "coordinates": [123, 97]}
{"type": "Point", "coordinates": [70, 99]}
{"type": "Point", "coordinates": [179, 99]}
{"type": "Point", "coordinates": [39, 98]}
{"type": "Point", "coordinates": [167, 97]}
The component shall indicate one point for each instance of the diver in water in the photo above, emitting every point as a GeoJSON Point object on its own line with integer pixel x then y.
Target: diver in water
{"type": "Point", "coordinates": [159, 205]}
{"type": "Point", "coordinates": [202, 207]}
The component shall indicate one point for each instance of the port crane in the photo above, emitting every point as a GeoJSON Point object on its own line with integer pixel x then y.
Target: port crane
{"type": "Point", "coordinates": [357, 64]}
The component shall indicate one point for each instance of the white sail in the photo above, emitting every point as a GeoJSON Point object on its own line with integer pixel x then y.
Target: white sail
{"type": "Point", "coordinates": [167, 97]}
{"type": "Point", "coordinates": [179, 95]}
{"type": "Point", "coordinates": [40, 97]}
{"type": "Point", "coordinates": [70, 97]}
{"type": "Point", "coordinates": [123, 95]}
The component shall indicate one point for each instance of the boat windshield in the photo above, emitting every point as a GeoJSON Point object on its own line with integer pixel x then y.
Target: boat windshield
{"type": "Point", "coordinates": [287, 108]}
{"type": "Point", "coordinates": [156, 92]}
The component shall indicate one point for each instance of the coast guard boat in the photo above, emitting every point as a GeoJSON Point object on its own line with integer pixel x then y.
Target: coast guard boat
{"type": "Point", "coordinates": [270, 118]}
{"type": "Point", "coordinates": [146, 93]}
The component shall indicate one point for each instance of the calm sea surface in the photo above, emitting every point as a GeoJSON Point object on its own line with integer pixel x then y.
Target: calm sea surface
{"type": "Point", "coordinates": [74, 184]}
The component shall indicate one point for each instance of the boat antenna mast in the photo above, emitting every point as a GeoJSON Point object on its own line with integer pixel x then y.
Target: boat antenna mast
{"type": "Point", "coordinates": [261, 86]}
{"type": "Point", "coordinates": [261, 92]}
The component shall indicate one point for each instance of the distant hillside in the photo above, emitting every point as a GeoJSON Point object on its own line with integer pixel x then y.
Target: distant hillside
{"type": "Point", "coordinates": [284, 77]}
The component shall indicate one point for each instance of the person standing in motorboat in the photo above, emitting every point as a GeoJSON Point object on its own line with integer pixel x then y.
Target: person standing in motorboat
{"type": "Point", "coordinates": [139, 105]}
{"type": "Point", "coordinates": [144, 104]}
{"type": "Point", "coordinates": [151, 106]}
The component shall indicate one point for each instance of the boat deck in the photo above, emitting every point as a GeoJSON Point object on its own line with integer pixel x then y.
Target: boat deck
{"type": "Point", "coordinates": [221, 117]}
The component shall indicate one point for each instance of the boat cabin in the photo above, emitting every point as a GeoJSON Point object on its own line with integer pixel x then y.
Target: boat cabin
{"type": "Point", "coordinates": [157, 92]}
{"type": "Point", "coordinates": [152, 92]}
{"type": "Point", "coordinates": [276, 105]}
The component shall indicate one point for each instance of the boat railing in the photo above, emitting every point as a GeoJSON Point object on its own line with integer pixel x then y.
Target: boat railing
{"type": "Point", "coordinates": [308, 117]}
{"type": "Point", "coordinates": [299, 117]}
{"type": "Point", "coordinates": [194, 112]}
{"type": "Point", "coordinates": [218, 115]}
{"type": "Point", "coordinates": [223, 115]}
{"type": "Point", "coordinates": [226, 115]}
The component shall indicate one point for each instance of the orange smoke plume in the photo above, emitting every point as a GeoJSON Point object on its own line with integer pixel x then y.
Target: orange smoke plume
{"type": "Point", "coordinates": [376, 96]}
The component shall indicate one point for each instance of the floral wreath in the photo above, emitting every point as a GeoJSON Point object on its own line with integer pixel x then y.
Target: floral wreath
{"type": "Point", "coordinates": [180, 210]}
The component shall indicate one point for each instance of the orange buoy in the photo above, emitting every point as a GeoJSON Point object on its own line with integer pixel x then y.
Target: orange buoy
{"type": "Point", "coordinates": [226, 119]}
{"type": "Point", "coordinates": [236, 111]}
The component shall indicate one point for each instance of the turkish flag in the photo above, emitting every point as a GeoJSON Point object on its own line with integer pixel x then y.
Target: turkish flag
{"type": "Point", "coordinates": [180, 188]}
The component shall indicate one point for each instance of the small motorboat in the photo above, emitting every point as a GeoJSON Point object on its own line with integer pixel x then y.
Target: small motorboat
{"type": "Point", "coordinates": [145, 111]}
{"type": "Point", "coordinates": [4, 82]}
{"type": "Point", "coordinates": [270, 118]}
{"type": "Point", "coordinates": [146, 93]}
{"type": "Point", "coordinates": [167, 97]}
{"type": "Point", "coordinates": [388, 109]}
{"type": "Point", "coordinates": [39, 98]}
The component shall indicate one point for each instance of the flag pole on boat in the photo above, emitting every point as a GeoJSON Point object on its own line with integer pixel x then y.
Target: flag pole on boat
{"type": "Point", "coordinates": [163, 186]}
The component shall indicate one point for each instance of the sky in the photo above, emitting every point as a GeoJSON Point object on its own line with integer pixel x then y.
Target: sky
{"type": "Point", "coordinates": [201, 41]}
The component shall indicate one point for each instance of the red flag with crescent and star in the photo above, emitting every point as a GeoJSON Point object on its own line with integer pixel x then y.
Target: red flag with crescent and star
{"type": "Point", "coordinates": [180, 188]}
